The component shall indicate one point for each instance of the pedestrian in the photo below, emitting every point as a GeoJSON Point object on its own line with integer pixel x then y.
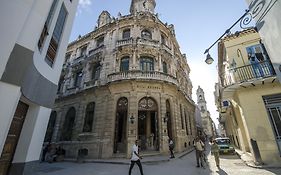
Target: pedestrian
{"type": "Point", "coordinates": [199, 148]}
{"type": "Point", "coordinates": [171, 148]}
{"type": "Point", "coordinates": [45, 150]}
{"type": "Point", "coordinates": [135, 158]}
{"type": "Point", "coordinates": [215, 151]}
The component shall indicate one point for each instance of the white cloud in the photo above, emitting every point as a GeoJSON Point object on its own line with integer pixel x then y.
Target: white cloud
{"type": "Point", "coordinates": [83, 5]}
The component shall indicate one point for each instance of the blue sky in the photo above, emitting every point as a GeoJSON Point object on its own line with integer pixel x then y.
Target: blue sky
{"type": "Point", "coordinates": [198, 23]}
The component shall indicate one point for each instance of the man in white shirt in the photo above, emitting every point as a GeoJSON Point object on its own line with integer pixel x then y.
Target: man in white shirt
{"type": "Point", "coordinates": [135, 158]}
{"type": "Point", "coordinates": [199, 148]}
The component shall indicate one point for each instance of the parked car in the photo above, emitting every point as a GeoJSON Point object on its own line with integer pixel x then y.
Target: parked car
{"type": "Point", "coordinates": [225, 145]}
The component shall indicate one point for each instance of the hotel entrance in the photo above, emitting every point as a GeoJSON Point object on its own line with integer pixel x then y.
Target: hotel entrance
{"type": "Point", "coordinates": [148, 133]}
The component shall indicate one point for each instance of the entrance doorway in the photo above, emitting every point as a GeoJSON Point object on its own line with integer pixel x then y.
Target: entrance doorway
{"type": "Point", "coordinates": [120, 134]}
{"type": "Point", "coordinates": [273, 105]}
{"type": "Point", "coordinates": [148, 125]}
{"type": "Point", "coordinates": [12, 138]}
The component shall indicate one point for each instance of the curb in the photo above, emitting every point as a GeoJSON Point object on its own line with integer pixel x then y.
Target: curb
{"type": "Point", "coordinates": [257, 166]}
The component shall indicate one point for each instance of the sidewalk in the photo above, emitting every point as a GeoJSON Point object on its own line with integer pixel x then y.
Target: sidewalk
{"type": "Point", "coordinates": [248, 160]}
{"type": "Point", "coordinates": [149, 159]}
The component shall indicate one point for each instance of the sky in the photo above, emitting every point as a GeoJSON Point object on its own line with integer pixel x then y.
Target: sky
{"type": "Point", "coordinates": [198, 24]}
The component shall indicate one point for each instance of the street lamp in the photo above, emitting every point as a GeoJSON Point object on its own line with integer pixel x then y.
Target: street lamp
{"type": "Point", "coordinates": [244, 20]}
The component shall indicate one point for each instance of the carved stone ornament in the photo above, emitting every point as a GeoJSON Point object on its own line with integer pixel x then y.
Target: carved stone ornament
{"type": "Point", "coordinates": [147, 104]}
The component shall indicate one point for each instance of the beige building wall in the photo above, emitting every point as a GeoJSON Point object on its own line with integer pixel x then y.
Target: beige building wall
{"type": "Point", "coordinates": [245, 89]}
{"type": "Point", "coordinates": [257, 119]}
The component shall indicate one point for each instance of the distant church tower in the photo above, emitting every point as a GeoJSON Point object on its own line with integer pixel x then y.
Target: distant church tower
{"type": "Point", "coordinates": [202, 104]}
{"type": "Point", "coordinates": [207, 122]}
{"type": "Point", "coordinates": [142, 6]}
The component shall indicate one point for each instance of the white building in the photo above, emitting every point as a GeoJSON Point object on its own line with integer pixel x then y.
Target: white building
{"type": "Point", "coordinates": [34, 36]}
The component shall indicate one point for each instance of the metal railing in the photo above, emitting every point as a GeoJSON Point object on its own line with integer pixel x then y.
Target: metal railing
{"type": "Point", "coordinates": [137, 74]}
{"type": "Point", "coordinates": [248, 72]}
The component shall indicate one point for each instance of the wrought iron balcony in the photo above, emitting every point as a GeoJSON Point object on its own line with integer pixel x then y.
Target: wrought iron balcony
{"type": "Point", "coordinates": [247, 73]}
{"type": "Point", "coordinates": [137, 74]}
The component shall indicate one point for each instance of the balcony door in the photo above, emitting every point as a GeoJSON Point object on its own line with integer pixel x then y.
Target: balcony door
{"type": "Point", "coordinates": [273, 105]}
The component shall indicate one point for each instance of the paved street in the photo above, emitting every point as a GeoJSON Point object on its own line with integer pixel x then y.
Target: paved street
{"type": "Point", "coordinates": [230, 164]}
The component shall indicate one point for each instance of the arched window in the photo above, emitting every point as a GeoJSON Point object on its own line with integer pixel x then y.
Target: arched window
{"type": "Point", "coordinates": [100, 41]}
{"type": "Point", "coordinates": [89, 117]}
{"type": "Point", "coordinates": [165, 69]}
{"type": "Point", "coordinates": [124, 65]}
{"type": "Point", "coordinates": [163, 39]}
{"type": "Point", "coordinates": [146, 64]}
{"type": "Point", "coordinates": [96, 71]}
{"type": "Point", "coordinates": [68, 125]}
{"type": "Point", "coordinates": [78, 78]}
{"type": "Point", "coordinates": [146, 34]}
{"type": "Point", "coordinates": [50, 128]}
{"type": "Point", "coordinates": [202, 109]}
{"type": "Point", "coordinates": [126, 34]}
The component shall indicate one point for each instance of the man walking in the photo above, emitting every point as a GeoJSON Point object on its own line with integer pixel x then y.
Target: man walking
{"type": "Point", "coordinates": [135, 158]}
{"type": "Point", "coordinates": [199, 148]}
{"type": "Point", "coordinates": [171, 148]}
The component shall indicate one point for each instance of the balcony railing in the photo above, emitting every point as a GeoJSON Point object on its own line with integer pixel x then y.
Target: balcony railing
{"type": "Point", "coordinates": [123, 42]}
{"type": "Point", "coordinates": [148, 42]}
{"type": "Point", "coordinates": [96, 50]}
{"type": "Point", "coordinates": [166, 48]}
{"type": "Point", "coordinates": [153, 75]}
{"type": "Point", "coordinates": [78, 60]}
{"type": "Point", "coordinates": [246, 73]}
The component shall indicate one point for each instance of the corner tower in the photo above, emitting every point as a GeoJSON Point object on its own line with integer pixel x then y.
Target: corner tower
{"type": "Point", "coordinates": [142, 6]}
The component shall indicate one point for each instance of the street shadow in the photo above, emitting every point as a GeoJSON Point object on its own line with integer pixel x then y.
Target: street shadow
{"type": "Point", "coordinates": [274, 170]}
{"type": "Point", "coordinates": [221, 172]}
{"type": "Point", "coordinates": [226, 156]}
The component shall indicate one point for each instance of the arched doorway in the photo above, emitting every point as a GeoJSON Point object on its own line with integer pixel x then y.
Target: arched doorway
{"type": "Point", "coordinates": [68, 125]}
{"type": "Point", "coordinates": [51, 126]}
{"type": "Point", "coordinates": [168, 119]}
{"type": "Point", "coordinates": [120, 136]}
{"type": "Point", "coordinates": [148, 124]}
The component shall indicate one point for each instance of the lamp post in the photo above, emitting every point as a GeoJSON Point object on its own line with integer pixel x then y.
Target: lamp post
{"type": "Point", "coordinates": [245, 19]}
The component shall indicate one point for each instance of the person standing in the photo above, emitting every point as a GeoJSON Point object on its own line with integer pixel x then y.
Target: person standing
{"type": "Point", "coordinates": [135, 158]}
{"type": "Point", "coordinates": [199, 148]}
{"type": "Point", "coordinates": [215, 152]}
{"type": "Point", "coordinates": [171, 148]}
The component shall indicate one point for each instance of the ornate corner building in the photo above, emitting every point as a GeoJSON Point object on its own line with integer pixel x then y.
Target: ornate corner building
{"type": "Point", "coordinates": [125, 80]}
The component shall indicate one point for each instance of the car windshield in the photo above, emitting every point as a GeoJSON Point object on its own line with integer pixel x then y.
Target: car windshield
{"type": "Point", "coordinates": [222, 141]}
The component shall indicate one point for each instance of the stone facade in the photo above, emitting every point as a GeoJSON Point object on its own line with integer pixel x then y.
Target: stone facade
{"type": "Point", "coordinates": [125, 80]}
